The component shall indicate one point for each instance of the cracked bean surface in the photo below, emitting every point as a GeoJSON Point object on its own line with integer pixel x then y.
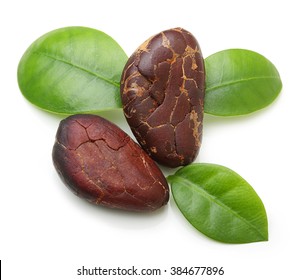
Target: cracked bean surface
{"type": "Point", "coordinates": [100, 163]}
{"type": "Point", "coordinates": [162, 91]}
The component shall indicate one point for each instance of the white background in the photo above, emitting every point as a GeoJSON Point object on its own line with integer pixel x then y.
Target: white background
{"type": "Point", "coordinates": [48, 233]}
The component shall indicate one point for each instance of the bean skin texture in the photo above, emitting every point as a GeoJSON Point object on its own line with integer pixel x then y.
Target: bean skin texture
{"type": "Point", "coordinates": [162, 91]}
{"type": "Point", "coordinates": [100, 163]}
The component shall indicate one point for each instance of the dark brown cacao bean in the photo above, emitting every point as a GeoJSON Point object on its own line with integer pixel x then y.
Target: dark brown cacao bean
{"type": "Point", "coordinates": [162, 90]}
{"type": "Point", "coordinates": [102, 164]}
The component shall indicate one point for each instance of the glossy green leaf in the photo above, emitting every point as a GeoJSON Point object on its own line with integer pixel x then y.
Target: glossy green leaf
{"type": "Point", "coordinates": [72, 70]}
{"type": "Point", "coordinates": [219, 203]}
{"type": "Point", "coordinates": [239, 82]}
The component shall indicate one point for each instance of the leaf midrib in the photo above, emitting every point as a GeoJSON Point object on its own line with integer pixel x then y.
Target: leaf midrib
{"type": "Point", "coordinates": [78, 67]}
{"type": "Point", "coordinates": [218, 202]}
{"type": "Point", "coordinates": [232, 82]}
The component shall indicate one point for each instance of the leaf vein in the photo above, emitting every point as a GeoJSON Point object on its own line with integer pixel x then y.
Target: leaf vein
{"type": "Point", "coordinates": [229, 83]}
{"type": "Point", "coordinates": [218, 202]}
{"type": "Point", "coordinates": [116, 84]}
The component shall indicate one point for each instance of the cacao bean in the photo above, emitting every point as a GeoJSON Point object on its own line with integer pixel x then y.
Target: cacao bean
{"type": "Point", "coordinates": [162, 91]}
{"type": "Point", "coordinates": [102, 164]}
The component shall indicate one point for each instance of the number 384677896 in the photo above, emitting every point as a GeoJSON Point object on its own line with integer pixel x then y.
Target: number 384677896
{"type": "Point", "coordinates": [197, 270]}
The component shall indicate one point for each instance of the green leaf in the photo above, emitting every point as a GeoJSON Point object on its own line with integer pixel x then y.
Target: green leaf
{"type": "Point", "coordinates": [239, 82]}
{"type": "Point", "coordinates": [72, 70]}
{"type": "Point", "coordinates": [219, 203]}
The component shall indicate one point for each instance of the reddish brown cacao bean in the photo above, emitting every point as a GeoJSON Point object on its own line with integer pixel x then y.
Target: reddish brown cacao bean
{"type": "Point", "coordinates": [102, 164]}
{"type": "Point", "coordinates": [162, 90]}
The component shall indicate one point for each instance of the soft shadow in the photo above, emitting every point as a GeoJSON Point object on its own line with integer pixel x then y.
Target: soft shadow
{"type": "Point", "coordinates": [116, 218]}
{"type": "Point", "coordinates": [122, 219]}
{"type": "Point", "coordinates": [115, 115]}
{"type": "Point", "coordinates": [211, 120]}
